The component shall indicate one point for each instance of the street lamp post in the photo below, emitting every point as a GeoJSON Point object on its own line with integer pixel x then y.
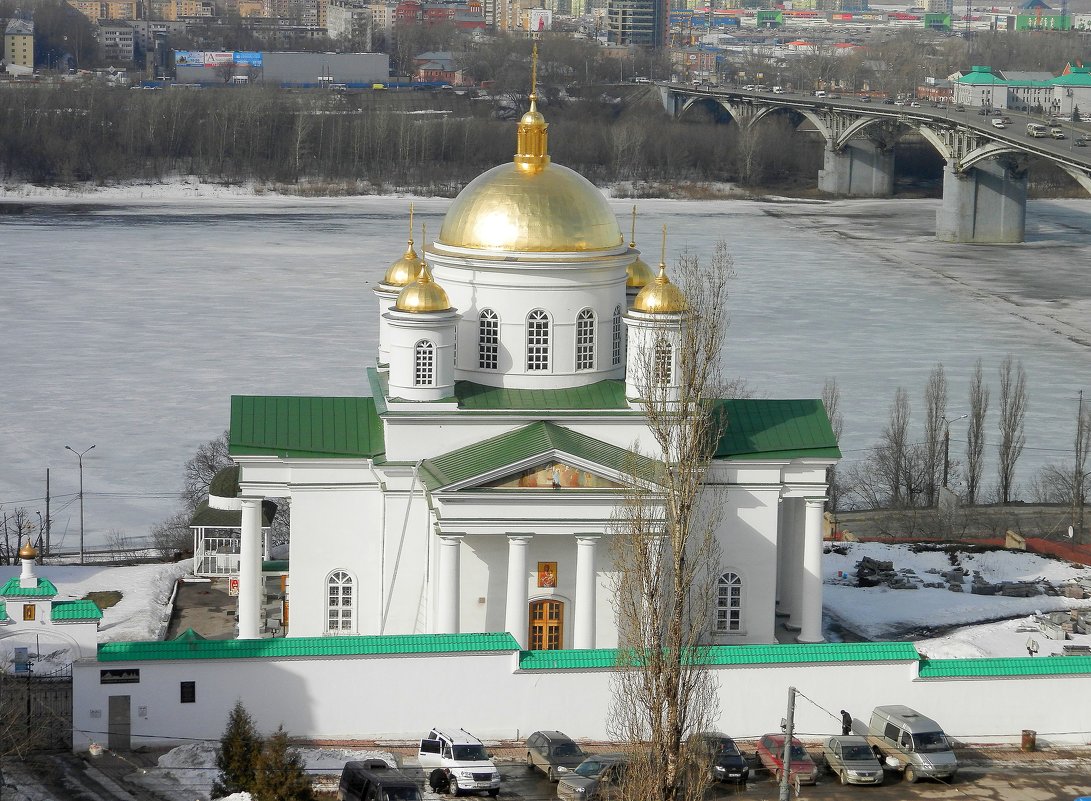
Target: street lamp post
{"type": "Point", "coordinates": [80, 455]}
{"type": "Point", "coordinates": [947, 444]}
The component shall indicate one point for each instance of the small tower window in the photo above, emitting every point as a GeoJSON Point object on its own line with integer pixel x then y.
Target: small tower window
{"type": "Point", "coordinates": [488, 340]}
{"type": "Point", "coordinates": [729, 603]}
{"type": "Point", "coordinates": [585, 340]}
{"type": "Point", "coordinates": [339, 602]}
{"type": "Point", "coordinates": [663, 362]}
{"type": "Point", "coordinates": [537, 341]}
{"type": "Point", "coordinates": [424, 355]}
{"type": "Point", "coordinates": [615, 350]}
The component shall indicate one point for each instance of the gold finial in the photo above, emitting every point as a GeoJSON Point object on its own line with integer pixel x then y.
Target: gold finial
{"type": "Point", "coordinates": [632, 235]}
{"type": "Point", "coordinates": [532, 151]}
{"type": "Point", "coordinates": [28, 551]}
{"type": "Point", "coordinates": [663, 255]}
{"type": "Point", "coordinates": [638, 274]}
{"type": "Point", "coordinates": [410, 225]}
{"type": "Point", "coordinates": [423, 240]}
{"type": "Point", "coordinates": [404, 270]}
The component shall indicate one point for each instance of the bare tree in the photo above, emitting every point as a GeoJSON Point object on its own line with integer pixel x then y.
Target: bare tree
{"type": "Point", "coordinates": [831, 399]}
{"type": "Point", "coordinates": [975, 433]}
{"type": "Point", "coordinates": [666, 555]}
{"type": "Point", "coordinates": [935, 411]}
{"type": "Point", "coordinates": [1013, 409]}
{"type": "Point", "coordinates": [210, 458]}
{"type": "Point", "coordinates": [893, 453]}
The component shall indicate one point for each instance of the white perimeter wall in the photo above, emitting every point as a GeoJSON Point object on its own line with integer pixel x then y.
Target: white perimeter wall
{"type": "Point", "coordinates": [401, 697]}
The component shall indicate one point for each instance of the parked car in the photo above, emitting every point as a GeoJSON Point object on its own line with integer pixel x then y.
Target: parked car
{"type": "Point", "coordinates": [456, 761]}
{"type": "Point", "coordinates": [718, 754]}
{"type": "Point", "coordinates": [771, 755]}
{"type": "Point", "coordinates": [913, 743]}
{"type": "Point", "coordinates": [374, 780]}
{"type": "Point", "coordinates": [553, 753]}
{"type": "Point", "coordinates": [597, 777]}
{"type": "Point", "coordinates": [852, 761]}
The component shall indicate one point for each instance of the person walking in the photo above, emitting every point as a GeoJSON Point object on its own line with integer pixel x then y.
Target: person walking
{"type": "Point", "coordinates": [846, 723]}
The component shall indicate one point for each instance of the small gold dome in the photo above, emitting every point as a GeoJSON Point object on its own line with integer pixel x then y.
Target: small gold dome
{"type": "Point", "coordinates": [423, 295]}
{"type": "Point", "coordinates": [28, 551]}
{"type": "Point", "coordinates": [405, 269]}
{"type": "Point", "coordinates": [660, 296]}
{"type": "Point", "coordinates": [640, 274]}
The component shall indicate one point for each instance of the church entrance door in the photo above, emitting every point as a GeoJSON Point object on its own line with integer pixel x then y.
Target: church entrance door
{"type": "Point", "coordinates": [546, 625]}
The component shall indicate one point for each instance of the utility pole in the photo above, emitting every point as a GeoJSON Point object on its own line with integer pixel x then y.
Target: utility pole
{"type": "Point", "coordinates": [786, 757]}
{"type": "Point", "coordinates": [47, 511]}
{"type": "Point", "coordinates": [947, 444]}
{"type": "Point", "coordinates": [1079, 476]}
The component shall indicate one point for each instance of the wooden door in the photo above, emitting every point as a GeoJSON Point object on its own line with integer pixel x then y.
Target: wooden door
{"type": "Point", "coordinates": [546, 625]}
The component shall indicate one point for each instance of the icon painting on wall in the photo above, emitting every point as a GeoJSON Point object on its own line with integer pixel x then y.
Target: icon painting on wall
{"type": "Point", "coordinates": [547, 574]}
{"type": "Point", "coordinates": [555, 475]}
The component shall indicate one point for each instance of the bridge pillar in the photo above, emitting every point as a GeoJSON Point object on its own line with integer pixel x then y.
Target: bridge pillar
{"type": "Point", "coordinates": [985, 204]}
{"type": "Point", "coordinates": [860, 169]}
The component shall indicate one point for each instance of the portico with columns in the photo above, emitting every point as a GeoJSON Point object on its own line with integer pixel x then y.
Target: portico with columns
{"type": "Point", "coordinates": [473, 483]}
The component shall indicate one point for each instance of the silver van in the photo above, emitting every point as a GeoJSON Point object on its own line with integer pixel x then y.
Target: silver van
{"type": "Point", "coordinates": [912, 743]}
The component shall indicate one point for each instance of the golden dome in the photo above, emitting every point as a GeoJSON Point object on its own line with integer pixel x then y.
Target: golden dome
{"type": "Point", "coordinates": [661, 296]}
{"type": "Point", "coordinates": [554, 210]}
{"type": "Point", "coordinates": [28, 551]}
{"type": "Point", "coordinates": [640, 274]}
{"type": "Point", "coordinates": [404, 269]}
{"type": "Point", "coordinates": [423, 295]}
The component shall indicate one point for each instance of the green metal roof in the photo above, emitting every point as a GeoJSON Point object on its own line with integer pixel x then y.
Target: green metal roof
{"type": "Point", "coordinates": [524, 443]}
{"type": "Point", "coordinates": [3, 611]}
{"type": "Point", "coordinates": [207, 517]}
{"type": "Point", "coordinates": [606, 658]}
{"type": "Point", "coordinates": [776, 429]}
{"type": "Point", "coordinates": [288, 647]}
{"type": "Point", "coordinates": [302, 427]}
{"type": "Point", "coordinates": [11, 589]}
{"type": "Point", "coordinates": [274, 566]}
{"type": "Point", "coordinates": [603, 395]}
{"type": "Point", "coordinates": [1079, 76]}
{"type": "Point", "coordinates": [1013, 667]}
{"type": "Point", "coordinates": [189, 635]}
{"type": "Point", "coordinates": [75, 610]}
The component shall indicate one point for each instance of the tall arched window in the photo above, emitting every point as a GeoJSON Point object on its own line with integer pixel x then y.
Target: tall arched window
{"type": "Point", "coordinates": [663, 361]}
{"type": "Point", "coordinates": [339, 603]}
{"type": "Point", "coordinates": [615, 350]}
{"type": "Point", "coordinates": [537, 340]}
{"type": "Point", "coordinates": [729, 603]}
{"type": "Point", "coordinates": [424, 360]}
{"type": "Point", "coordinates": [488, 340]}
{"type": "Point", "coordinates": [585, 340]}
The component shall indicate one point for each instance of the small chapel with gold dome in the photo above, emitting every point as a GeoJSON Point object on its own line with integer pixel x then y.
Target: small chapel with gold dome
{"type": "Point", "coordinates": [472, 484]}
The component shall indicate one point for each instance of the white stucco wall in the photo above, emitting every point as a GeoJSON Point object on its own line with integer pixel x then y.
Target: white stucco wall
{"type": "Point", "coordinates": [400, 697]}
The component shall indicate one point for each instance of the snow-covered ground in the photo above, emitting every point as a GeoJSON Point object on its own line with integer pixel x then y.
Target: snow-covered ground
{"type": "Point", "coordinates": [880, 612]}
{"type": "Point", "coordinates": [132, 314]}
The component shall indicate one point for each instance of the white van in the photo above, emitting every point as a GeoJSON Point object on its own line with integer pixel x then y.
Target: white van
{"type": "Point", "coordinates": [778, 90]}
{"type": "Point", "coordinates": [820, 93]}
{"type": "Point", "coordinates": [912, 743]}
{"type": "Point", "coordinates": [455, 760]}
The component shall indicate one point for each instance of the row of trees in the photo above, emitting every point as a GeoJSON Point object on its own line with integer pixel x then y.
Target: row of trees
{"type": "Point", "coordinates": [267, 768]}
{"type": "Point", "coordinates": [904, 471]}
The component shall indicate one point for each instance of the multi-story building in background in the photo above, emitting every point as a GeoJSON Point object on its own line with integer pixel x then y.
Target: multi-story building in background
{"type": "Point", "coordinates": [116, 41]}
{"type": "Point", "coordinates": [638, 22]}
{"type": "Point", "coordinates": [95, 10]}
{"type": "Point", "coordinates": [18, 50]}
{"type": "Point", "coordinates": [351, 21]}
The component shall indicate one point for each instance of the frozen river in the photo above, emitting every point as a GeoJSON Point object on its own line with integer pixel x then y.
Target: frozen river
{"type": "Point", "coordinates": [128, 323]}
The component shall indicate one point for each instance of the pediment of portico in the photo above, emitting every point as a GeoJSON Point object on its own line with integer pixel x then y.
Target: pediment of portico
{"type": "Point", "coordinates": [543, 457]}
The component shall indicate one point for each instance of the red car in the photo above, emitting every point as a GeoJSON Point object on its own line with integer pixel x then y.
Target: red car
{"type": "Point", "coordinates": [771, 755]}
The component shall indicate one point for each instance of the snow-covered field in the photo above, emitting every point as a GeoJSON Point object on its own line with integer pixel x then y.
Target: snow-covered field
{"type": "Point", "coordinates": [131, 315]}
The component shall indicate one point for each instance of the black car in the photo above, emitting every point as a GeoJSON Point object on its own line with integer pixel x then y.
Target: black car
{"type": "Point", "coordinates": [717, 753]}
{"type": "Point", "coordinates": [554, 753]}
{"type": "Point", "coordinates": [373, 779]}
{"type": "Point", "coordinates": [1079, 141]}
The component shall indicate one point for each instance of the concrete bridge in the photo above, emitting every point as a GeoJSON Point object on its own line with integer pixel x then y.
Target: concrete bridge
{"type": "Point", "coordinates": [985, 172]}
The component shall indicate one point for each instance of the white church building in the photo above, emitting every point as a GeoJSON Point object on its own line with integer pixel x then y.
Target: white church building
{"type": "Point", "coordinates": [471, 484]}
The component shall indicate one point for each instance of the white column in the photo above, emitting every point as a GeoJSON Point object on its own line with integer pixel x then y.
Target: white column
{"type": "Point", "coordinates": [447, 596]}
{"type": "Point", "coordinates": [793, 563]}
{"type": "Point", "coordinates": [515, 608]}
{"type": "Point", "coordinates": [250, 569]}
{"type": "Point", "coordinates": [811, 585]}
{"type": "Point", "coordinates": [782, 551]}
{"type": "Point", "coordinates": [586, 584]}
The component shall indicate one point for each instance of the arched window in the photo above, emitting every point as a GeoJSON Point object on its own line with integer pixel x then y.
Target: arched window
{"type": "Point", "coordinates": [424, 359]}
{"type": "Point", "coordinates": [729, 603]}
{"type": "Point", "coordinates": [488, 340]}
{"type": "Point", "coordinates": [585, 340]}
{"type": "Point", "coordinates": [537, 340]}
{"type": "Point", "coordinates": [615, 351]}
{"type": "Point", "coordinates": [339, 602]}
{"type": "Point", "coordinates": [663, 362]}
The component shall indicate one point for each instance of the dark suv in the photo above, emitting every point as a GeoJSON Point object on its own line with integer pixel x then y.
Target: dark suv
{"type": "Point", "coordinates": [374, 780]}
{"type": "Point", "coordinates": [554, 753]}
{"type": "Point", "coordinates": [718, 754]}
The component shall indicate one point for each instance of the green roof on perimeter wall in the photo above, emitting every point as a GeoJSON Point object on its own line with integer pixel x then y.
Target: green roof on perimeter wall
{"type": "Point", "coordinates": [722, 655]}
{"type": "Point", "coordinates": [606, 395]}
{"type": "Point", "coordinates": [776, 429]}
{"type": "Point", "coordinates": [305, 647]}
{"type": "Point", "coordinates": [1012, 667]}
{"type": "Point", "coordinates": [305, 427]}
